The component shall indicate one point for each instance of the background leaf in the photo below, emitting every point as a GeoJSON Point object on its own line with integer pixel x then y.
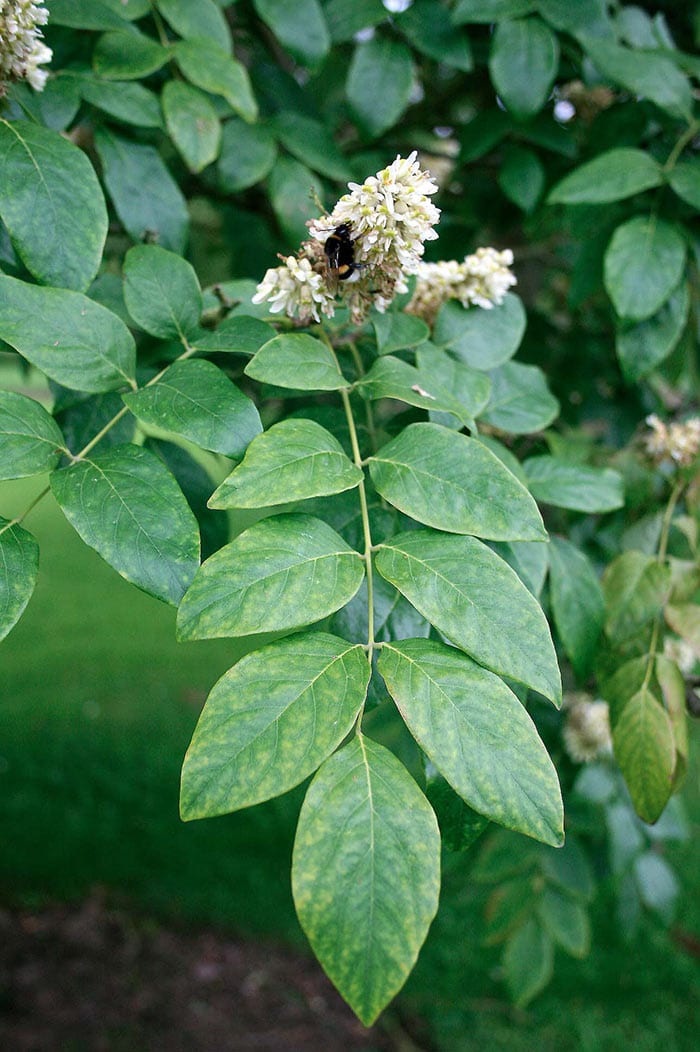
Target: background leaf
{"type": "Point", "coordinates": [523, 62]}
{"type": "Point", "coordinates": [643, 265]}
{"type": "Point", "coordinates": [644, 346]}
{"type": "Point", "coordinates": [19, 566]}
{"type": "Point", "coordinates": [645, 751]}
{"type": "Point", "coordinates": [611, 176]}
{"type": "Point", "coordinates": [192, 123]}
{"type": "Point", "coordinates": [379, 84]}
{"type": "Point", "coordinates": [577, 603]}
{"type": "Point", "coordinates": [210, 68]}
{"type": "Point", "coordinates": [481, 338]}
{"type": "Point", "coordinates": [300, 28]}
{"type": "Point", "coordinates": [162, 292]}
{"type": "Point", "coordinates": [520, 399]}
{"type": "Point", "coordinates": [574, 486]}
{"type": "Point", "coordinates": [30, 439]}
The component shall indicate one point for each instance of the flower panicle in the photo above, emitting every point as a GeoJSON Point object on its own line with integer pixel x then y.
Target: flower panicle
{"type": "Point", "coordinates": [22, 50]}
{"type": "Point", "coordinates": [678, 443]}
{"type": "Point", "coordinates": [481, 279]}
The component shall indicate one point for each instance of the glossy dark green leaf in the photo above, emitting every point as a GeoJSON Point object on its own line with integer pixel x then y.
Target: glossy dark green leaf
{"type": "Point", "coordinates": [366, 873]}
{"type": "Point", "coordinates": [574, 486]}
{"type": "Point", "coordinates": [55, 107]}
{"type": "Point", "coordinates": [396, 331]}
{"type": "Point", "coordinates": [481, 338]}
{"type": "Point", "coordinates": [379, 83]}
{"type": "Point", "coordinates": [196, 400]}
{"type": "Point", "coordinates": [654, 76]}
{"type": "Point", "coordinates": [520, 399]}
{"type": "Point", "coordinates": [248, 152]}
{"type": "Point", "coordinates": [128, 55]}
{"type": "Point", "coordinates": [642, 347]}
{"type": "Point", "coordinates": [577, 603]}
{"type": "Point", "coordinates": [311, 143]}
{"type": "Point", "coordinates": [523, 63]}
{"type": "Point", "coordinates": [645, 750]}
{"type": "Point", "coordinates": [162, 292]}
{"type": "Point", "coordinates": [292, 186]}
{"type": "Point", "coordinates": [127, 506]}
{"type": "Point", "coordinates": [44, 175]}
{"type": "Point", "coordinates": [192, 123]}
{"type": "Point", "coordinates": [429, 28]}
{"type": "Point", "coordinates": [300, 28]}
{"type": "Point", "coordinates": [271, 720]}
{"type": "Point", "coordinates": [635, 586]}
{"type": "Point", "coordinates": [471, 387]}
{"type": "Point", "coordinates": [643, 265]}
{"type": "Point", "coordinates": [297, 361]}
{"type": "Point", "coordinates": [685, 181]}
{"type": "Point", "coordinates": [19, 566]}
{"type": "Point", "coordinates": [344, 19]}
{"type": "Point", "coordinates": [294, 460]}
{"type": "Point", "coordinates": [566, 920]}
{"type": "Point", "coordinates": [477, 734]}
{"type": "Point", "coordinates": [84, 14]}
{"type": "Point", "coordinates": [212, 69]}
{"type": "Point", "coordinates": [283, 572]}
{"type": "Point", "coordinates": [205, 19]}
{"type": "Point", "coordinates": [392, 378]}
{"type": "Point", "coordinates": [237, 334]}
{"type": "Point", "coordinates": [72, 339]}
{"type": "Point", "coordinates": [146, 198]}
{"type": "Point", "coordinates": [454, 483]}
{"type": "Point", "coordinates": [611, 176]}
{"type": "Point", "coordinates": [522, 178]}
{"type": "Point", "coordinates": [29, 437]}
{"type": "Point", "coordinates": [477, 601]}
{"type": "Point", "coordinates": [528, 961]}
{"type": "Point", "coordinates": [128, 102]}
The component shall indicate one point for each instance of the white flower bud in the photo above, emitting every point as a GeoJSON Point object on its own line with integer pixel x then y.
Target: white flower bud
{"type": "Point", "coordinates": [22, 50]}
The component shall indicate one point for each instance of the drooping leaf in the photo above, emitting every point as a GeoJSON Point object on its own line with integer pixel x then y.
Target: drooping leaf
{"type": "Point", "coordinates": [43, 175]}
{"type": "Point", "coordinates": [72, 339]}
{"type": "Point", "coordinates": [482, 338]}
{"type": "Point", "coordinates": [454, 483]}
{"type": "Point", "coordinates": [366, 873]}
{"type": "Point", "coordinates": [212, 69]}
{"type": "Point", "coordinates": [30, 439]}
{"type": "Point", "coordinates": [577, 603]}
{"type": "Point", "coordinates": [574, 486]}
{"type": "Point", "coordinates": [520, 399]}
{"type": "Point", "coordinates": [528, 961]}
{"type": "Point", "coordinates": [294, 460]}
{"type": "Point", "coordinates": [472, 596]}
{"type": "Point", "coordinates": [193, 124]}
{"type": "Point", "coordinates": [203, 20]}
{"type": "Point", "coordinates": [297, 361]}
{"type": "Point", "coordinates": [643, 265]}
{"type": "Point", "coordinates": [127, 506]}
{"type": "Point", "coordinates": [196, 400]}
{"type": "Point", "coordinates": [477, 734]}
{"type": "Point", "coordinates": [642, 347]}
{"type": "Point", "coordinates": [19, 566]}
{"type": "Point", "coordinates": [645, 751]}
{"type": "Point", "coordinates": [300, 28]}
{"type": "Point", "coordinates": [523, 62]}
{"type": "Point", "coordinates": [379, 83]}
{"type": "Point", "coordinates": [248, 152]}
{"type": "Point", "coordinates": [389, 377]}
{"type": "Point", "coordinates": [162, 292]}
{"type": "Point", "coordinates": [635, 588]}
{"type": "Point", "coordinates": [283, 572]}
{"type": "Point", "coordinates": [611, 176]}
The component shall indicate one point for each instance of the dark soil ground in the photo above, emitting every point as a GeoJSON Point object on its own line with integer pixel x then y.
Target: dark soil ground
{"type": "Point", "coordinates": [90, 978]}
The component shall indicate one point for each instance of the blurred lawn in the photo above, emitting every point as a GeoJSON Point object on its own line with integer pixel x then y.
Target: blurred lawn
{"type": "Point", "coordinates": [97, 704]}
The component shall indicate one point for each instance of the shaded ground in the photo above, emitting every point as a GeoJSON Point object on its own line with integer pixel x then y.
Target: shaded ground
{"type": "Point", "coordinates": [88, 978]}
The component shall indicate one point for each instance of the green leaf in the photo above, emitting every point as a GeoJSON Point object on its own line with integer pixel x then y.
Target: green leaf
{"type": "Point", "coordinates": [685, 181]}
{"type": "Point", "coordinates": [379, 83]}
{"type": "Point", "coordinates": [30, 439]}
{"type": "Point", "coordinates": [248, 152]}
{"type": "Point", "coordinates": [635, 587]}
{"type": "Point", "coordinates": [202, 20]}
{"type": "Point", "coordinates": [507, 908]}
{"type": "Point", "coordinates": [344, 20]}
{"type": "Point", "coordinates": [658, 885]}
{"type": "Point", "coordinates": [300, 28]}
{"type": "Point", "coordinates": [86, 416]}
{"type": "Point", "coordinates": [611, 176]}
{"type": "Point", "coordinates": [490, 10]}
{"type": "Point", "coordinates": [482, 338]}
{"type": "Point", "coordinates": [130, 9]}
{"type": "Point", "coordinates": [196, 485]}
{"type": "Point", "coordinates": [291, 186]}
{"type": "Point", "coordinates": [394, 617]}
{"type": "Point", "coordinates": [643, 265]}
{"type": "Point", "coordinates": [397, 332]}
{"type": "Point", "coordinates": [72, 339]}
{"type": "Point", "coordinates": [474, 598]}
{"type": "Point", "coordinates": [196, 400]}
{"type": "Point", "coordinates": [84, 14]}
{"type": "Point", "coordinates": [577, 603]}
{"type": "Point", "coordinates": [569, 869]}
{"type": "Point", "coordinates": [162, 292]}
{"type": "Point", "coordinates": [146, 198]}
{"type": "Point", "coordinates": [311, 143]}
{"type": "Point", "coordinates": [566, 920]}
{"type": "Point", "coordinates": [505, 855]}
{"type": "Point", "coordinates": [574, 486]}
{"type": "Point", "coordinates": [366, 873]}
{"type": "Point", "coordinates": [584, 17]}
{"type": "Point", "coordinates": [55, 106]}
{"type": "Point", "coordinates": [520, 399]}
{"type": "Point", "coordinates": [297, 361]}
{"type": "Point", "coordinates": [523, 63]}
{"type": "Point", "coordinates": [645, 750]}
{"type": "Point", "coordinates": [684, 619]}
{"type": "Point", "coordinates": [642, 347]}
{"type": "Point", "coordinates": [283, 572]}
{"type": "Point", "coordinates": [237, 334]}
{"type": "Point", "coordinates": [210, 68]}
{"type": "Point", "coordinates": [454, 483]}
{"type": "Point", "coordinates": [429, 28]}
{"type": "Point", "coordinates": [19, 566]}
{"type": "Point", "coordinates": [127, 55]}
{"type": "Point", "coordinates": [483, 132]}
{"type": "Point", "coordinates": [528, 961]}
{"type": "Point", "coordinates": [477, 734]}
{"type": "Point", "coordinates": [127, 506]}
{"type": "Point", "coordinates": [529, 559]}
{"type": "Point", "coordinates": [522, 178]}
{"type": "Point", "coordinates": [192, 123]}
{"type": "Point", "coordinates": [51, 204]}
{"type": "Point", "coordinates": [127, 102]}
{"type": "Point", "coordinates": [391, 378]}
{"type": "Point", "coordinates": [471, 387]}
{"type": "Point", "coordinates": [649, 74]}
{"type": "Point", "coordinates": [271, 720]}
{"type": "Point", "coordinates": [294, 460]}
{"type": "Point", "coordinates": [672, 684]}
{"type": "Point", "coordinates": [460, 826]}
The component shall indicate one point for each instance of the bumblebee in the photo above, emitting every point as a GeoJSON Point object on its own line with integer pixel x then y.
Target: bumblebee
{"type": "Point", "coordinates": [339, 248]}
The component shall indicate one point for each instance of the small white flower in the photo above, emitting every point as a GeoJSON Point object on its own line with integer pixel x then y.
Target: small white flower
{"type": "Point", "coordinates": [22, 50]}
{"type": "Point", "coordinates": [297, 290]}
{"type": "Point", "coordinates": [587, 729]}
{"type": "Point", "coordinates": [677, 650]}
{"type": "Point", "coordinates": [481, 279]}
{"type": "Point", "coordinates": [679, 442]}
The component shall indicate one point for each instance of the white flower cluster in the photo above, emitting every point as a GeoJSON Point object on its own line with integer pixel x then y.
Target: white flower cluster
{"type": "Point", "coordinates": [389, 216]}
{"type": "Point", "coordinates": [678, 442]}
{"type": "Point", "coordinates": [587, 729]}
{"type": "Point", "coordinates": [681, 652]}
{"type": "Point", "coordinates": [22, 49]}
{"type": "Point", "coordinates": [481, 279]}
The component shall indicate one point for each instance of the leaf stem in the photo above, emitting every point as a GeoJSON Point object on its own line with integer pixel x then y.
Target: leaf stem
{"type": "Point", "coordinates": [364, 511]}
{"type": "Point", "coordinates": [683, 141]}
{"type": "Point", "coordinates": [20, 518]}
{"type": "Point", "coordinates": [661, 557]}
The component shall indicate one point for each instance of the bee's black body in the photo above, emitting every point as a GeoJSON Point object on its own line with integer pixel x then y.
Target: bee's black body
{"type": "Point", "coordinates": [340, 251]}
